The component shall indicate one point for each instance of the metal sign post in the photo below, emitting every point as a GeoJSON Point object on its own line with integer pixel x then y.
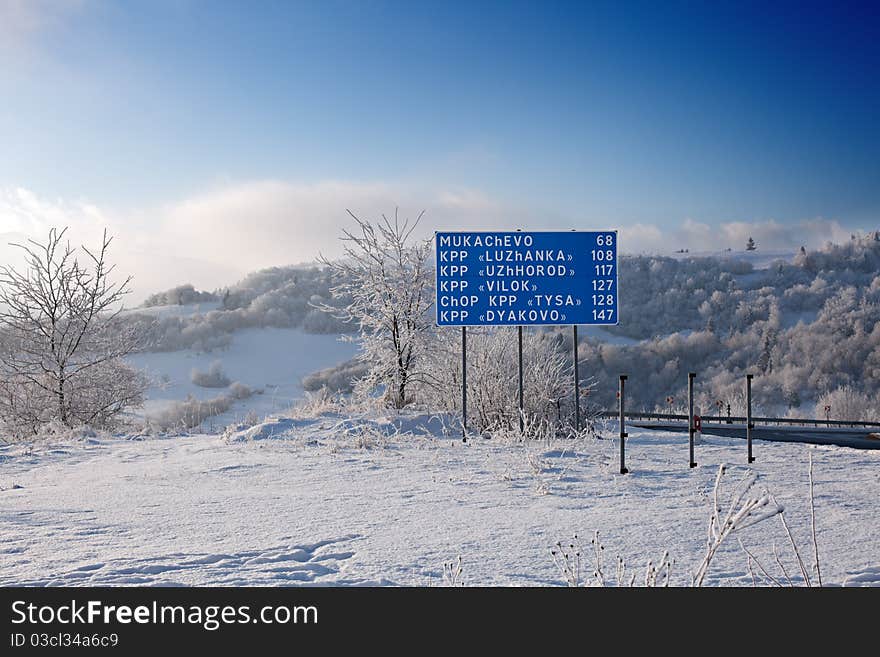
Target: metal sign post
{"type": "Point", "coordinates": [519, 330]}
{"type": "Point", "coordinates": [691, 377]}
{"type": "Point", "coordinates": [464, 384]}
{"type": "Point", "coordinates": [623, 433]}
{"type": "Point", "coordinates": [577, 383]}
{"type": "Point", "coordinates": [749, 425]}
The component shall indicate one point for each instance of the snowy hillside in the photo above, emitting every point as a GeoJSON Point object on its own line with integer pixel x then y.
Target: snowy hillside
{"type": "Point", "coordinates": [337, 500]}
{"type": "Point", "coordinates": [270, 362]}
{"type": "Point", "coordinates": [212, 492]}
{"type": "Point", "coordinates": [758, 259]}
{"type": "Point", "coordinates": [805, 324]}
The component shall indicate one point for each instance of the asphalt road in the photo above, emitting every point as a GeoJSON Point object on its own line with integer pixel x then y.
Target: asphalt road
{"type": "Point", "coordinates": [845, 437]}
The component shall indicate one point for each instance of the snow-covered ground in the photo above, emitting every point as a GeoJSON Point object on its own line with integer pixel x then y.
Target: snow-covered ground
{"type": "Point", "coordinates": [602, 335]}
{"type": "Point", "coordinates": [331, 500]}
{"type": "Point", "coordinates": [760, 258]}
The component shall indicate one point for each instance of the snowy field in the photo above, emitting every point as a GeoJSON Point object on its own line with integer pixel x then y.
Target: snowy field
{"type": "Point", "coordinates": [333, 501]}
{"type": "Point", "coordinates": [271, 361]}
{"type": "Point", "coordinates": [760, 258]}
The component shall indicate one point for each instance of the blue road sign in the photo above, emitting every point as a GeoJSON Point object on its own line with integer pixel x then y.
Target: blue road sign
{"type": "Point", "coordinates": [526, 279]}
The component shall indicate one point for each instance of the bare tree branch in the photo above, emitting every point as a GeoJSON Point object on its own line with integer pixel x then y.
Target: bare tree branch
{"type": "Point", "coordinates": [383, 284]}
{"type": "Point", "coordinates": [60, 338]}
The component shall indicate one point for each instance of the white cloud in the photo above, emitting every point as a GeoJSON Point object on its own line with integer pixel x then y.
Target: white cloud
{"type": "Point", "coordinates": [266, 223]}
{"type": "Point", "coordinates": [215, 237]}
{"type": "Point", "coordinates": [138, 251]}
{"type": "Point", "coordinates": [812, 233]}
{"type": "Point", "coordinates": [639, 237]}
{"type": "Point", "coordinates": [703, 237]}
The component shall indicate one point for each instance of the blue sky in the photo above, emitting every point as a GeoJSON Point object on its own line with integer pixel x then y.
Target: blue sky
{"type": "Point", "coordinates": [654, 116]}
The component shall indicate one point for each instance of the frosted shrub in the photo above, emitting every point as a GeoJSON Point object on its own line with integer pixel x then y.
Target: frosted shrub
{"type": "Point", "coordinates": [493, 392]}
{"type": "Point", "coordinates": [214, 377]}
{"type": "Point", "coordinates": [847, 403]}
{"type": "Point", "coordinates": [179, 296]}
{"type": "Point", "coordinates": [318, 403]}
{"type": "Point", "coordinates": [745, 508]}
{"type": "Point", "coordinates": [240, 391]}
{"type": "Point", "coordinates": [191, 412]}
{"type": "Point", "coordinates": [580, 567]}
{"type": "Point", "coordinates": [339, 378]}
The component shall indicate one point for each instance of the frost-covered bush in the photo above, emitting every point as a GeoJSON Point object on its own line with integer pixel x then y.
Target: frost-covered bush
{"type": "Point", "coordinates": [182, 295]}
{"type": "Point", "coordinates": [99, 397]}
{"type": "Point", "coordinates": [320, 402]}
{"type": "Point", "coordinates": [847, 403]}
{"type": "Point", "coordinates": [493, 383]}
{"type": "Point", "coordinates": [214, 377]}
{"type": "Point", "coordinates": [191, 412]}
{"type": "Point", "coordinates": [238, 391]}
{"type": "Point", "coordinates": [340, 378]}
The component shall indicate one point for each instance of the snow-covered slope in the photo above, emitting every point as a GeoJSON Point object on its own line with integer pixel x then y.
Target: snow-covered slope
{"type": "Point", "coordinates": [759, 258]}
{"type": "Point", "coordinates": [335, 500]}
{"type": "Point", "coordinates": [801, 323]}
{"type": "Point", "coordinates": [272, 361]}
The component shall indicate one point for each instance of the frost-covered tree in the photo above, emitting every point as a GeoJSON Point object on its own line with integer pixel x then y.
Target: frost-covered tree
{"type": "Point", "coordinates": [384, 285]}
{"type": "Point", "coordinates": [181, 295]}
{"type": "Point", "coordinates": [62, 341]}
{"type": "Point", "coordinates": [765, 360]}
{"type": "Point", "coordinates": [750, 245]}
{"type": "Point", "coordinates": [846, 403]}
{"type": "Point", "coordinates": [214, 377]}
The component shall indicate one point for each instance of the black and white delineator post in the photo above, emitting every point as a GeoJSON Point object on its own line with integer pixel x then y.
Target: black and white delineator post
{"type": "Point", "coordinates": [464, 384]}
{"type": "Point", "coordinates": [521, 419]}
{"type": "Point", "coordinates": [577, 384]}
{"type": "Point", "coordinates": [749, 425]}
{"type": "Point", "coordinates": [691, 377]}
{"type": "Point", "coordinates": [623, 433]}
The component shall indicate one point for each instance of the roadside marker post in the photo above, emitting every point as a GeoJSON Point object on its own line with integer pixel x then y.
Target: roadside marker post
{"type": "Point", "coordinates": [623, 433]}
{"type": "Point", "coordinates": [749, 425]}
{"type": "Point", "coordinates": [691, 377]}
{"type": "Point", "coordinates": [519, 331]}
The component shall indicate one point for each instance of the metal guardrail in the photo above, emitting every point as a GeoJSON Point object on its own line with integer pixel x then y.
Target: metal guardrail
{"type": "Point", "coordinates": [723, 419]}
